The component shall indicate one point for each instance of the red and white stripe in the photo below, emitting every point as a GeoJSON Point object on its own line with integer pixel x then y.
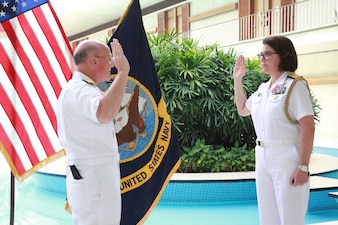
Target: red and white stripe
{"type": "Point", "coordinates": [35, 64]}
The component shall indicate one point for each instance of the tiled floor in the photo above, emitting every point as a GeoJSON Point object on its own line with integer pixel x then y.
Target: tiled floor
{"type": "Point", "coordinates": [319, 163]}
{"type": "Point", "coordinates": [328, 223]}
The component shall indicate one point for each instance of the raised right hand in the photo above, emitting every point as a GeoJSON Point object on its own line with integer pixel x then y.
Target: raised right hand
{"type": "Point", "coordinates": [240, 68]}
{"type": "Point", "coordinates": [119, 59]}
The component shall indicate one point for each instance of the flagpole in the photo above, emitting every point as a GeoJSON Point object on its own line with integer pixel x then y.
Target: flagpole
{"type": "Point", "coordinates": [11, 219]}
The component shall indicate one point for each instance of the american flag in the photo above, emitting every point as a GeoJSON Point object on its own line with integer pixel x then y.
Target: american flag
{"type": "Point", "coordinates": [35, 63]}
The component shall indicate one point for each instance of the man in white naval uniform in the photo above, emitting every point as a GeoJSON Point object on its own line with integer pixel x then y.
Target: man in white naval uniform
{"type": "Point", "coordinates": [85, 124]}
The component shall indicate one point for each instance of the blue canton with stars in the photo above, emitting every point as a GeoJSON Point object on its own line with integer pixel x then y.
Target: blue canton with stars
{"type": "Point", "coordinates": [13, 8]}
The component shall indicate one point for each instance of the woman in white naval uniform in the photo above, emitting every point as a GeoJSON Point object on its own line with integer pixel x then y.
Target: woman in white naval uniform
{"type": "Point", "coordinates": [283, 148]}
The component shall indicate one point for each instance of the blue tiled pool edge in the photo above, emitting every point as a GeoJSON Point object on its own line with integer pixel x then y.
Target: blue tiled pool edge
{"type": "Point", "coordinates": [199, 190]}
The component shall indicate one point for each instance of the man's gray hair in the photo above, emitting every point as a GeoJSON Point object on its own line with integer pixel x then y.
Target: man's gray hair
{"type": "Point", "coordinates": [85, 49]}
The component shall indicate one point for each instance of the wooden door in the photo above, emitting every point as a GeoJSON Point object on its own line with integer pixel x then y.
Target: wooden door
{"type": "Point", "coordinates": [262, 17]}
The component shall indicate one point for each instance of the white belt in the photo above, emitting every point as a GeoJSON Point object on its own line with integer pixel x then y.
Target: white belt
{"type": "Point", "coordinates": [277, 142]}
{"type": "Point", "coordinates": [94, 161]}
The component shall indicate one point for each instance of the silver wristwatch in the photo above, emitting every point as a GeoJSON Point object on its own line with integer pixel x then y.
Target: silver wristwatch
{"type": "Point", "coordinates": [304, 168]}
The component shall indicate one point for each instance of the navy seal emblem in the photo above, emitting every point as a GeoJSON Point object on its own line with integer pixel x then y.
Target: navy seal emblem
{"type": "Point", "coordinates": [136, 122]}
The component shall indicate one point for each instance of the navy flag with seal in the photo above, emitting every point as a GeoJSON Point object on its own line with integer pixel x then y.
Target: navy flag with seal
{"type": "Point", "coordinates": [148, 143]}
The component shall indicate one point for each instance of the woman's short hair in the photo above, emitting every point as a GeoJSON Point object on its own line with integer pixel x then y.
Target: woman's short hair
{"type": "Point", "coordinates": [285, 49]}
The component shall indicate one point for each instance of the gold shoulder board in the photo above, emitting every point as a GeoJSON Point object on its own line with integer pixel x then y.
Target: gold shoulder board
{"type": "Point", "coordinates": [287, 98]}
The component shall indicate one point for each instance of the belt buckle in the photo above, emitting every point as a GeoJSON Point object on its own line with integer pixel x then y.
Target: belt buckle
{"type": "Point", "coordinates": [260, 143]}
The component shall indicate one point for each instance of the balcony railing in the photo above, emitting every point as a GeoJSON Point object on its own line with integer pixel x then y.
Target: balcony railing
{"type": "Point", "coordinates": [305, 15]}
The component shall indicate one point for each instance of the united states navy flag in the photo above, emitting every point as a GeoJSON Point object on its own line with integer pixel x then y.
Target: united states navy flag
{"type": "Point", "coordinates": [148, 143]}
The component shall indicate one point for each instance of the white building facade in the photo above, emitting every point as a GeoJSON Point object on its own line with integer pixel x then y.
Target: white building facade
{"type": "Point", "coordinates": [312, 25]}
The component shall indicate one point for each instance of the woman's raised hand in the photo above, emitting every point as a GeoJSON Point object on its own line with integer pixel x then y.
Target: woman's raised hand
{"type": "Point", "coordinates": [240, 68]}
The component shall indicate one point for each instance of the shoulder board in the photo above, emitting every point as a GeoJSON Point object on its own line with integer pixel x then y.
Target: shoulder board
{"type": "Point", "coordinates": [287, 98]}
{"type": "Point", "coordinates": [89, 82]}
{"type": "Point", "coordinates": [295, 76]}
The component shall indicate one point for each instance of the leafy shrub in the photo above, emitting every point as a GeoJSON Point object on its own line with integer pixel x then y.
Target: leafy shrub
{"type": "Point", "coordinates": [208, 158]}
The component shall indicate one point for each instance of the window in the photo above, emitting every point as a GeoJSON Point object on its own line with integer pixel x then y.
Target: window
{"type": "Point", "coordinates": [174, 19]}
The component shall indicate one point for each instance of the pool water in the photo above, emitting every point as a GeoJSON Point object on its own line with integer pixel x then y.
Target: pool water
{"type": "Point", "coordinates": [231, 213]}
{"type": "Point", "coordinates": [33, 206]}
{"type": "Point", "coordinates": [230, 203]}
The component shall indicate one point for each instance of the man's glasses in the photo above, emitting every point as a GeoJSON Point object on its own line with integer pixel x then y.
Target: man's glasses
{"type": "Point", "coordinates": [266, 55]}
{"type": "Point", "coordinates": [110, 59]}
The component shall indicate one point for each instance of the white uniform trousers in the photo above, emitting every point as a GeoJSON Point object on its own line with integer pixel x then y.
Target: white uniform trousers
{"type": "Point", "coordinates": [95, 199]}
{"type": "Point", "coordinates": [279, 203]}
